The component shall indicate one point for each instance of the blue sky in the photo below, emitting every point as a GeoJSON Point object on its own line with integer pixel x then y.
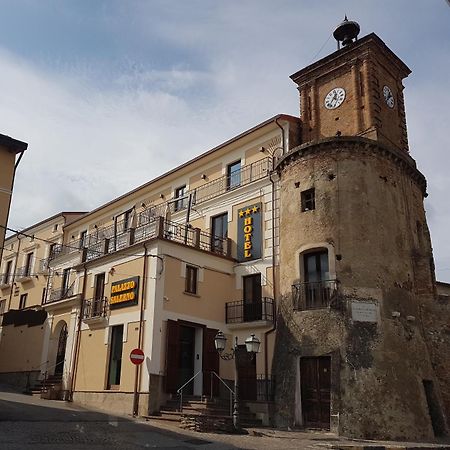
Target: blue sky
{"type": "Point", "coordinates": [94, 86]}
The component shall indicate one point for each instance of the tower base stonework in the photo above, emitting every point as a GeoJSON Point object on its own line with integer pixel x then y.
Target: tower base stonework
{"type": "Point", "coordinates": [352, 340]}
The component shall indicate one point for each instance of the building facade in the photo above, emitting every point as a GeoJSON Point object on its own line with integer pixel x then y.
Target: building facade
{"type": "Point", "coordinates": [308, 232]}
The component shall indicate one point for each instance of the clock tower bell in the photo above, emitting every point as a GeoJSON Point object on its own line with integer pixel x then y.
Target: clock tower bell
{"type": "Point", "coordinates": [355, 91]}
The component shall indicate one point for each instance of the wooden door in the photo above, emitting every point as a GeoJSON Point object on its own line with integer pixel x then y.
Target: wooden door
{"type": "Point", "coordinates": [252, 298]}
{"type": "Point", "coordinates": [210, 362]}
{"type": "Point", "coordinates": [315, 376]}
{"type": "Point", "coordinates": [246, 364]}
{"type": "Point", "coordinates": [172, 356]}
{"type": "Point", "coordinates": [61, 350]}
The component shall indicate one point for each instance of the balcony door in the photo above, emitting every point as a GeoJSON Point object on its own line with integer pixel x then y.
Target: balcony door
{"type": "Point", "coordinates": [219, 228]}
{"type": "Point", "coordinates": [316, 274]}
{"type": "Point", "coordinates": [99, 293]}
{"type": "Point", "coordinates": [252, 297]}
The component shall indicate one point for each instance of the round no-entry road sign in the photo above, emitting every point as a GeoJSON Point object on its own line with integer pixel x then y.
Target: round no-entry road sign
{"type": "Point", "coordinates": [137, 356]}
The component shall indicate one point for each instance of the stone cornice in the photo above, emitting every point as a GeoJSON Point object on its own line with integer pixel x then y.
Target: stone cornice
{"type": "Point", "coordinates": [356, 144]}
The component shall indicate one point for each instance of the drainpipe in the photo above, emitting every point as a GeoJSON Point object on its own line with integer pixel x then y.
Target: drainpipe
{"type": "Point", "coordinates": [77, 338]}
{"type": "Point", "coordinates": [138, 372]}
{"type": "Point", "coordinates": [274, 278]}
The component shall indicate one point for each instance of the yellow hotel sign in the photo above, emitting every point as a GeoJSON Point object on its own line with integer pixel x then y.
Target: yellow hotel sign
{"type": "Point", "coordinates": [249, 232]}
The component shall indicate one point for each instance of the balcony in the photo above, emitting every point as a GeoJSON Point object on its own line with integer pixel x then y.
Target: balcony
{"type": "Point", "coordinates": [95, 309]}
{"type": "Point", "coordinates": [60, 250]}
{"type": "Point", "coordinates": [242, 312]}
{"type": "Point", "coordinates": [43, 266]}
{"type": "Point", "coordinates": [59, 294]}
{"type": "Point", "coordinates": [5, 280]}
{"type": "Point", "coordinates": [113, 238]}
{"type": "Point", "coordinates": [314, 295]}
{"type": "Point", "coordinates": [23, 274]}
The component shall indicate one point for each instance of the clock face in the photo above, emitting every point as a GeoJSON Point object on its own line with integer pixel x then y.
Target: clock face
{"type": "Point", "coordinates": [388, 97]}
{"type": "Point", "coordinates": [334, 98]}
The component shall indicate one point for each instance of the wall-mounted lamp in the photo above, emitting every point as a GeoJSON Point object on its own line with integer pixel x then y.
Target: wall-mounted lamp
{"type": "Point", "coordinates": [161, 195]}
{"type": "Point", "coordinates": [204, 177]}
{"type": "Point", "coordinates": [95, 226]}
{"type": "Point", "coordinates": [262, 149]}
{"type": "Point", "coordinates": [143, 205]}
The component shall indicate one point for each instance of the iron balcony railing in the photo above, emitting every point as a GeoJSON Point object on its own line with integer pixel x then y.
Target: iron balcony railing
{"type": "Point", "coordinates": [242, 311]}
{"type": "Point", "coordinates": [314, 295]}
{"type": "Point", "coordinates": [157, 227]}
{"type": "Point", "coordinates": [246, 175]}
{"type": "Point", "coordinates": [43, 265]}
{"type": "Point", "coordinates": [94, 308]}
{"type": "Point", "coordinates": [6, 279]}
{"type": "Point", "coordinates": [261, 389]}
{"type": "Point", "coordinates": [73, 246]}
{"type": "Point", "coordinates": [59, 294]}
{"type": "Point", "coordinates": [23, 272]}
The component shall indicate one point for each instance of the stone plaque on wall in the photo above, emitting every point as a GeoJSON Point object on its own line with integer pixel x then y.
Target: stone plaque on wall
{"type": "Point", "coordinates": [364, 312]}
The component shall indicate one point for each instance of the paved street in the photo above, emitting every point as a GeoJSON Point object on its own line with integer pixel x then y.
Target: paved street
{"type": "Point", "coordinates": [27, 422]}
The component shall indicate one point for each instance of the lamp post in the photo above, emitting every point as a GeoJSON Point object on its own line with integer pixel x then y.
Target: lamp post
{"type": "Point", "coordinates": [252, 345]}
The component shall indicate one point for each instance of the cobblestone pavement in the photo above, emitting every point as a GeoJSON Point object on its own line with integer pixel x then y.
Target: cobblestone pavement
{"type": "Point", "coordinates": [27, 422]}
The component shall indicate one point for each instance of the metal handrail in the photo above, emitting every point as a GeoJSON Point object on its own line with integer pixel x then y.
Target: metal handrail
{"type": "Point", "coordinates": [47, 370]}
{"type": "Point", "coordinates": [232, 393]}
{"type": "Point", "coordinates": [180, 389]}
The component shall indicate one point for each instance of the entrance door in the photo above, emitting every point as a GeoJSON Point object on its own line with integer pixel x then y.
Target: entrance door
{"type": "Point", "coordinates": [210, 362]}
{"type": "Point", "coordinates": [315, 377]}
{"type": "Point", "coordinates": [252, 298]}
{"type": "Point", "coordinates": [187, 354]}
{"type": "Point", "coordinates": [61, 352]}
{"type": "Point", "coordinates": [246, 364]}
{"type": "Point", "coordinates": [115, 357]}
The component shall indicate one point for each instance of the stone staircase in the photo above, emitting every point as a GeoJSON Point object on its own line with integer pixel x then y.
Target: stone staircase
{"type": "Point", "coordinates": [204, 415]}
{"type": "Point", "coordinates": [50, 389]}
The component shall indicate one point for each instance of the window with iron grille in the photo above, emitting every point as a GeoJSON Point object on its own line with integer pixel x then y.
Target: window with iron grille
{"type": "Point", "coordinates": [308, 200]}
{"type": "Point", "coordinates": [191, 279]}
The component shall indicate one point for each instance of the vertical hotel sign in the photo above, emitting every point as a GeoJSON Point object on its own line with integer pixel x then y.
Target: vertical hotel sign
{"type": "Point", "coordinates": [124, 293]}
{"type": "Point", "coordinates": [249, 233]}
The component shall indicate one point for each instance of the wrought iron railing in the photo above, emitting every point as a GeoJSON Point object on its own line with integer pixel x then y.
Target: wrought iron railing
{"type": "Point", "coordinates": [43, 265]}
{"type": "Point", "coordinates": [65, 249]}
{"type": "Point", "coordinates": [23, 272]}
{"type": "Point", "coordinates": [59, 294]}
{"type": "Point", "coordinates": [6, 279]}
{"type": "Point", "coordinates": [246, 175]}
{"type": "Point", "coordinates": [242, 311]}
{"type": "Point", "coordinates": [95, 308]}
{"type": "Point", "coordinates": [261, 389]}
{"type": "Point", "coordinates": [314, 295]}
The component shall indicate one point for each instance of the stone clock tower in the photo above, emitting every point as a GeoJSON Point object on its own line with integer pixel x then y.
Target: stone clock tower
{"type": "Point", "coordinates": [357, 91]}
{"type": "Point", "coordinates": [356, 265]}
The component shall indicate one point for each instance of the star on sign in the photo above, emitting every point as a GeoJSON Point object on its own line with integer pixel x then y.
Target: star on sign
{"type": "Point", "coordinates": [248, 211]}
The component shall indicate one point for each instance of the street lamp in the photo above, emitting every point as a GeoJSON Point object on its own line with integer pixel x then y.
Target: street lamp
{"type": "Point", "coordinates": [252, 345]}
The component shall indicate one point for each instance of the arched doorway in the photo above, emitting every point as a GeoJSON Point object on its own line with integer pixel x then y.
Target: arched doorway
{"type": "Point", "coordinates": [61, 350]}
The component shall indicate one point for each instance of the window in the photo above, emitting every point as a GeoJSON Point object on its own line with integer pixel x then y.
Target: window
{"type": "Point", "coordinates": [234, 175]}
{"type": "Point", "coordinates": [28, 264]}
{"type": "Point", "coordinates": [2, 306]}
{"type": "Point", "coordinates": [126, 219]}
{"type": "Point", "coordinates": [55, 227]}
{"type": "Point", "coordinates": [179, 193]}
{"type": "Point", "coordinates": [308, 200]}
{"type": "Point", "coordinates": [219, 228]}
{"type": "Point", "coordinates": [65, 282]}
{"type": "Point", "coordinates": [51, 251]}
{"type": "Point", "coordinates": [7, 274]}
{"type": "Point", "coordinates": [191, 279]}
{"type": "Point", "coordinates": [23, 301]}
{"type": "Point", "coordinates": [83, 238]}
{"type": "Point", "coordinates": [317, 277]}
{"type": "Point", "coordinates": [99, 289]}
{"type": "Point", "coordinates": [44, 292]}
